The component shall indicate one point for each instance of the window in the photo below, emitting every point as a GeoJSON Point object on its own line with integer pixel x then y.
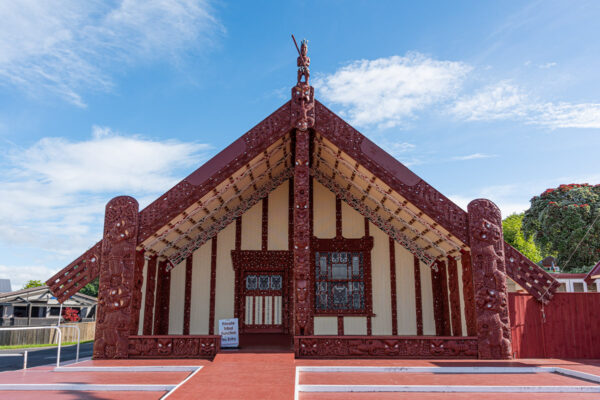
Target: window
{"type": "Point", "coordinates": [20, 311]}
{"type": "Point", "coordinates": [54, 311]}
{"type": "Point", "coordinates": [578, 287]}
{"type": "Point", "coordinates": [340, 282]}
{"type": "Point", "coordinates": [592, 287]}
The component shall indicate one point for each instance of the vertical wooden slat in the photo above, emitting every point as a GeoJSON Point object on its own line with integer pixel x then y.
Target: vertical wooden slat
{"type": "Point", "coordinates": [445, 301]}
{"type": "Point", "coordinates": [340, 325]}
{"type": "Point", "coordinates": [213, 278]}
{"type": "Point", "coordinates": [188, 294]}
{"type": "Point", "coordinates": [393, 286]}
{"type": "Point", "coordinates": [150, 286]}
{"type": "Point", "coordinates": [438, 308]}
{"type": "Point", "coordinates": [468, 293]}
{"type": "Point", "coordinates": [265, 224]}
{"type": "Point", "coordinates": [454, 297]}
{"type": "Point", "coordinates": [418, 296]}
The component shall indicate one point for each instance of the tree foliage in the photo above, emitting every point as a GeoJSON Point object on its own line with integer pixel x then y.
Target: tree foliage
{"type": "Point", "coordinates": [33, 283]}
{"type": "Point", "coordinates": [558, 221]}
{"type": "Point", "coordinates": [91, 289]}
{"type": "Point", "coordinates": [513, 234]}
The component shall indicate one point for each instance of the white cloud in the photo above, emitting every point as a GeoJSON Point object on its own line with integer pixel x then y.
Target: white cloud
{"type": "Point", "coordinates": [566, 115]}
{"type": "Point", "coordinates": [505, 100]}
{"type": "Point", "coordinates": [499, 101]}
{"type": "Point", "coordinates": [548, 65]}
{"type": "Point", "coordinates": [52, 194]}
{"type": "Point", "coordinates": [69, 46]}
{"type": "Point", "coordinates": [19, 275]}
{"type": "Point", "coordinates": [388, 91]}
{"type": "Point", "coordinates": [474, 156]}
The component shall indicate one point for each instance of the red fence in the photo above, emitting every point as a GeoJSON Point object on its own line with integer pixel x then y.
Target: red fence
{"type": "Point", "coordinates": [568, 327]}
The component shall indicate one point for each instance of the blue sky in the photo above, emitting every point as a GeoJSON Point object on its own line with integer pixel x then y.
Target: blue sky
{"type": "Point", "coordinates": [481, 99]}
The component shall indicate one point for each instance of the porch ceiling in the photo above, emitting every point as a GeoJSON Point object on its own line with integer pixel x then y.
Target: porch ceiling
{"type": "Point", "coordinates": [229, 199]}
{"type": "Point", "coordinates": [385, 207]}
{"type": "Point", "coordinates": [356, 185]}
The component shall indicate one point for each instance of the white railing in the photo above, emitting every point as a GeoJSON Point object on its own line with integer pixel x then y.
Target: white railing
{"type": "Point", "coordinates": [24, 354]}
{"type": "Point", "coordinates": [59, 339]}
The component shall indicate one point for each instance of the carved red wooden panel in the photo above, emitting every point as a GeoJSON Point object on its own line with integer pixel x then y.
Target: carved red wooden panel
{"type": "Point", "coordinates": [117, 269]}
{"type": "Point", "coordinates": [180, 346]}
{"type": "Point", "coordinates": [385, 347]}
{"type": "Point", "coordinates": [302, 235]}
{"type": "Point", "coordinates": [489, 280]}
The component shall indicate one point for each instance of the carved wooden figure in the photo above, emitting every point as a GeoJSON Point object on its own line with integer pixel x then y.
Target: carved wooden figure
{"type": "Point", "coordinates": [489, 280]}
{"type": "Point", "coordinates": [117, 274]}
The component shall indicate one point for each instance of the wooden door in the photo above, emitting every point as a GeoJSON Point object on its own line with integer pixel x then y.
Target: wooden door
{"type": "Point", "coordinates": [262, 301]}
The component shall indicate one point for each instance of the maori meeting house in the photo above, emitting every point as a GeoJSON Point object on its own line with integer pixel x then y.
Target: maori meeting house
{"type": "Point", "coordinates": [309, 234]}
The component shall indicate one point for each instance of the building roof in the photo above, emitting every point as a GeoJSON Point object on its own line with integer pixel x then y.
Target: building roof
{"type": "Point", "coordinates": [593, 274]}
{"type": "Point", "coordinates": [374, 183]}
{"type": "Point", "coordinates": [42, 294]}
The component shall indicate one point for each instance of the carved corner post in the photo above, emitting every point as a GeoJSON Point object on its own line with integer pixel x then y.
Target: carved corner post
{"type": "Point", "coordinates": [489, 280]}
{"type": "Point", "coordinates": [117, 278]}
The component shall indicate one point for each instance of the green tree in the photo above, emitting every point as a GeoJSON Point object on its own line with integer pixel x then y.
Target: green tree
{"type": "Point", "coordinates": [33, 283]}
{"type": "Point", "coordinates": [91, 289]}
{"type": "Point", "coordinates": [513, 234]}
{"type": "Point", "coordinates": [566, 221]}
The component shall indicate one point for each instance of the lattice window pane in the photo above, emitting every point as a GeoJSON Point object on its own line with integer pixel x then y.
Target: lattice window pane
{"type": "Point", "coordinates": [276, 282]}
{"type": "Point", "coordinates": [263, 282]}
{"type": "Point", "coordinates": [339, 282]}
{"type": "Point", "coordinates": [251, 282]}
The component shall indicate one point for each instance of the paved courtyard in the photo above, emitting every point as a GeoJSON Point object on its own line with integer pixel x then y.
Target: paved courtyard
{"type": "Point", "coordinates": [236, 375]}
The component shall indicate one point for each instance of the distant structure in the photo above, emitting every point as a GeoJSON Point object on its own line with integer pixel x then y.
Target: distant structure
{"type": "Point", "coordinates": [38, 306]}
{"type": "Point", "coordinates": [5, 286]}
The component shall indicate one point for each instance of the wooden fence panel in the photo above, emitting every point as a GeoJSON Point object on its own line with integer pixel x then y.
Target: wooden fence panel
{"type": "Point", "coordinates": [568, 327]}
{"type": "Point", "coordinates": [44, 336]}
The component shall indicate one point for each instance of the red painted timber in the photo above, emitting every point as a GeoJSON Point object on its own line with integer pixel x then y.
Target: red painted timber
{"type": "Point", "coordinates": [568, 327]}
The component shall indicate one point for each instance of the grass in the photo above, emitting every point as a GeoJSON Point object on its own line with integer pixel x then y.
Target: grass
{"type": "Point", "coordinates": [25, 346]}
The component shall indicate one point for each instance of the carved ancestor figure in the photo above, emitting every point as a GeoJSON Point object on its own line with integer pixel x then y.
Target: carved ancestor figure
{"type": "Point", "coordinates": [489, 280]}
{"type": "Point", "coordinates": [303, 95]}
{"type": "Point", "coordinates": [303, 62]}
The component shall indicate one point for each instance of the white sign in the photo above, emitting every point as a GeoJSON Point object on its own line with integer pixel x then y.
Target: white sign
{"type": "Point", "coordinates": [228, 329]}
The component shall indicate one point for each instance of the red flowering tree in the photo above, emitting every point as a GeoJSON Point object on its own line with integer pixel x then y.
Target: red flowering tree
{"type": "Point", "coordinates": [71, 315]}
{"type": "Point", "coordinates": [559, 219]}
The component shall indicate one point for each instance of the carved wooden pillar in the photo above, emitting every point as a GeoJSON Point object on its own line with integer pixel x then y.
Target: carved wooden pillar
{"type": "Point", "coordinates": [489, 280]}
{"type": "Point", "coordinates": [302, 234]}
{"type": "Point", "coordinates": [117, 274]}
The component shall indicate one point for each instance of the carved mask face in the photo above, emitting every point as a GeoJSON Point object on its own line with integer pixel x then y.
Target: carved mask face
{"type": "Point", "coordinates": [165, 346]}
{"type": "Point", "coordinates": [437, 347]}
{"type": "Point", "coordinates": [489, 232]}
{"type": "Point", "coordinates": [301, 291]}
